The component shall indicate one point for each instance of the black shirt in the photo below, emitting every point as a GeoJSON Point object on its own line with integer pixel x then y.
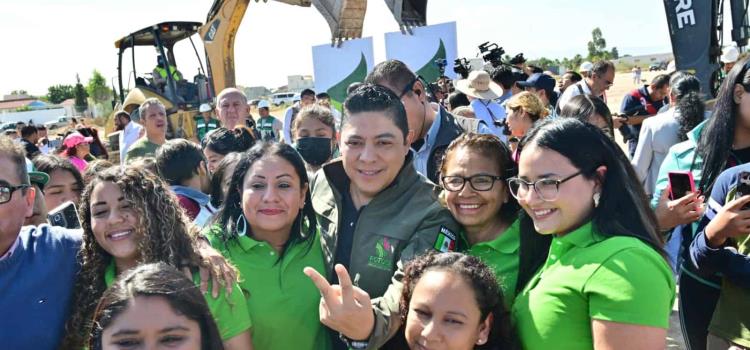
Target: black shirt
{"type": "Point", "coordinates": [31, 149]}
{"type": "Point", "coordinates": [347, 226]}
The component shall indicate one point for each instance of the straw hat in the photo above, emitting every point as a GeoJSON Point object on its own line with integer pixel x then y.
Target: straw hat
{"type": "Point", "coordinates": [479, 85]}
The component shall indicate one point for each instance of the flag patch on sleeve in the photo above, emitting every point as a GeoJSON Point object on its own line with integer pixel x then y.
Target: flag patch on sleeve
{"type": "Point", "coordinates": [445, 241]}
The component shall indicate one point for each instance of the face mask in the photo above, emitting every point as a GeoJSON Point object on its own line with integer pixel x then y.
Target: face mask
{"type": "Point", "coordinates": [314, 150]}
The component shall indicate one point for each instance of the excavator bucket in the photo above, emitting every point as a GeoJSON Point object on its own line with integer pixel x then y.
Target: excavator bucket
{"type": "Point", "coordinates": [408, 13]}
{"type": "Point", "coordinates": [345, 17]}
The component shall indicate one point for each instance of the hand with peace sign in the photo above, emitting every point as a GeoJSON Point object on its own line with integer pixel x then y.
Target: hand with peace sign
{"type": "Point", "coordinates": [344, 307]}
{"type": "Point", "coordinates": [731, 221]}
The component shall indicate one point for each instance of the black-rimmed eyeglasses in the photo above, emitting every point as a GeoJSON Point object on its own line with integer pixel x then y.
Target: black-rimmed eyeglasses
{"type": "Point", "coordinates": [6, 192]}
{"type": "Point", "coordinates": [478, 182]}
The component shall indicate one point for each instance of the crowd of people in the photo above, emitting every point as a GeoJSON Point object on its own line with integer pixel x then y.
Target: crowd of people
{"type": "Point", "coordinates": [501, 215]}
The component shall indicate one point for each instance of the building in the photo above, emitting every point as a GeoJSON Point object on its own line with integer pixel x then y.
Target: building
{"type": "Point", "coordinates": [255, 92]}
{"type": "Point", "coordinates": [297, 83]}
{"type": "Point", "coordinates": [644, 61]}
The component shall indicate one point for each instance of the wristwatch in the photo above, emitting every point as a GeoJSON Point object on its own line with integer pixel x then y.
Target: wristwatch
{"type": "Point", "coordinates": [354, 344]}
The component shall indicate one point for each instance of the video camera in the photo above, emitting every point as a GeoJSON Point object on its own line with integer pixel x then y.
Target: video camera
{"type": "Point", "coordinates": [492, 53]}
{"type": "Point", "coordinates": [462, 67]}
{"type": "Point", "coordinates": [441, 63]}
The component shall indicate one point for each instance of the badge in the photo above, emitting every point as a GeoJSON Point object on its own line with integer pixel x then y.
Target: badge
{"type": "Point", "coordinates": [445, 241]}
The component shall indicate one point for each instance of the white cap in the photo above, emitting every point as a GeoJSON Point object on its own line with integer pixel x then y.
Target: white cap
{"type": "Point", "coordinates": [205, 108]}
{"type": "Point", "coordinates": [730, 54]}
{"type": "Point", "coordinates": [263, 104]}
{"type": "Point", "coordinates": [586, 66]}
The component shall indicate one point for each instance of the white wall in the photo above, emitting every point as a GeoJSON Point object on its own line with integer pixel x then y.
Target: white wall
{"type": "Point", "coordinates": [38, 116]}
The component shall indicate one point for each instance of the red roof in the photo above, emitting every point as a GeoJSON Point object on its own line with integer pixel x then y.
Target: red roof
{"type": "Point", "coordinates": [13, 104]}
{"type": "Point", "coordinates": [68, 102]}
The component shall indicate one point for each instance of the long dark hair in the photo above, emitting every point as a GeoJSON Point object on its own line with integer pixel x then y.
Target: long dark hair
{"type": "Point", "coordinates": [224, 141]}
{"type": "Point", "coordinates": [583, 107]}
{"type": "Point", "coordinates": [686, 90]}
{"type": "Point", "coordinates": [716, 139]}
{"type": "Point", "coordinates": [217, 178]}
{"type": "Point", "coordinates": [155, 280]}
{"type": "Point", "coordinates": [47, 163]}
{"type": "Point", "coordinates": [164, 226]}
{"type": "Point", "coordinates": [481, 279]}
{"type": "Point", "coordinates": [588, 148]}
{"type": "Point", "coordinates": [231, 210]}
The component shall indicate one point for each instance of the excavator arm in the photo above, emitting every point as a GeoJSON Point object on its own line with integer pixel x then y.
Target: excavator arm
{"type": "Point", "coordinates": [345, 19]}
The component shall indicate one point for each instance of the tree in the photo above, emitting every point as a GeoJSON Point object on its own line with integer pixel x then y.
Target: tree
{"type": "Point", "coordinates": [80, 96]}
{"type": "Point", "coordinates": [576, 61]}
{"type": "Point", "coordinates": [615, 54]}
{"type": "Point", "coordinates": [598, 46]}
{"type": "Point", "coordinates": [60, 92]}
{"type": "Point", "coordinates": [97, 88]}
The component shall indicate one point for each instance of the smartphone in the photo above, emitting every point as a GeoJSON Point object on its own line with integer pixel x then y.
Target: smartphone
{"type": "Point", "coordinates": [65, 215]}
{"type": "Point", "coordinates": [743, 186]}
{"type": "Point", "coordinates": [681, 184]}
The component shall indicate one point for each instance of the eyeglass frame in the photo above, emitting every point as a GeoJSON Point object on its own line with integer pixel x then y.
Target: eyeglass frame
{"type": "Point", "coordinates": [494, 178]}
{"type": "Point", "coordinates": [13, 189]}
{"type": "Point", "coordinates": [410, 86]}
{"type": "Point", "coordinates": [536, 189]}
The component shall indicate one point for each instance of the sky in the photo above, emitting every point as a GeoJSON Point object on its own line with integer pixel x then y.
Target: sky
{"type": "Point", "coordinates": [48, 42]}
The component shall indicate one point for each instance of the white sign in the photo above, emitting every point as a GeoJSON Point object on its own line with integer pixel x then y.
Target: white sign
{"type": "Point", "coordinates": [335, 68]}
{"type": "Point", "coordinates": [421, 50]}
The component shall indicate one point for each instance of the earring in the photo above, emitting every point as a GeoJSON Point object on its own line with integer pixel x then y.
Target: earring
{"type": "Point", "coordinates": [241, 219]}
{"type": "Point", "coordinates": [597, 196]}
{"type": "Point", "coordinates": [481, 341]}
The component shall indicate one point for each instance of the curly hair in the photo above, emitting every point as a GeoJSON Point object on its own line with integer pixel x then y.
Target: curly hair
{"type": "Point", "coordinates": [479, 277]}
{"type": "Point", "coordinates": [168, 238]}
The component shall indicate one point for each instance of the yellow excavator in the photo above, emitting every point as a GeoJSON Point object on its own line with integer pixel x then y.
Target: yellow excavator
{"type": "Point", "coordinates": [182, 97]}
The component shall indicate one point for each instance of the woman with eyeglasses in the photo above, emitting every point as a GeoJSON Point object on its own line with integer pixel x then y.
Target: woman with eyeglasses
{"type": "Point", "coordinates": [591, 262]}
{"type": "Point", "coordinates": [474, 174]}
{"type": "Point", "coordinates": [717, 144]}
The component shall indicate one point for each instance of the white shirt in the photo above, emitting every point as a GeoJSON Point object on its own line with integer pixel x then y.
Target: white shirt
{"type": "Point", "coordinates": [489, 111]}
{"type": "Point", "coordinates": [573, 91]}
{"type": "Point", "coordinates": [128, 136]}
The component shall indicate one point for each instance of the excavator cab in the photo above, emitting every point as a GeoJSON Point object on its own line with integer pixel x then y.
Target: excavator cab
{"type": "Point", "coordinates": [181, 95]}
{"type": "Point", "coordinates": [165, 81]}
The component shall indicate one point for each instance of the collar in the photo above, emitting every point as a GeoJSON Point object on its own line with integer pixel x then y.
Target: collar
{"type": "Point", "coordinates": [192, 193]}
{"type": "Point", "coordinates": [582, 237]}
{"type": "Point", "coordinates": [110, 274]}
{"type": "Point", "coordinates": [247, 243]}
{"type": "Point", "coordinates": [508, 242]}
{"type": "Point", "coordinates": [432, 133]}
{"type": "Point", "coordinates": [337, 179]}
{"type": "Point", "coordinates": [12, 248]}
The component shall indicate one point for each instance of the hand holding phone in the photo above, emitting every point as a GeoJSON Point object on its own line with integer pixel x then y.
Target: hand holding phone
{"type": "Point", "coordinates": [681, 184]}
{"type": "Point", "coordinates": [743, 186]}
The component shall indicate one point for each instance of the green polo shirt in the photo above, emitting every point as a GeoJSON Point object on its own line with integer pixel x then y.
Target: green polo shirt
{"type": "Point", "coordinates": [589, 276]}
{"type": "Point", "coordinates": [282, 301]}
{"type": "Point", "coordinates": [501, 254]}
{"type": "Point", "coordinates": [141, 149]}
{"type": "Point", "coordinates": [230, 313]}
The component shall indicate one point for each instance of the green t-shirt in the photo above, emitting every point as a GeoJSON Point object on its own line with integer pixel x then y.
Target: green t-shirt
{"type": "Point", "coordinates": [731, 319]}
{"type": "Point", "coordinates": [501, 254]}
{"type": "Point", "coordinates": [266, 127]}
{"type": "Point", "coordinates": [589, 276]}
{"type": "Point", "coordinates": [140, 149]}
{"type": "Point", "coordinates": [230, 313]}
{"type": "Point", "coordinates": [282, 301]}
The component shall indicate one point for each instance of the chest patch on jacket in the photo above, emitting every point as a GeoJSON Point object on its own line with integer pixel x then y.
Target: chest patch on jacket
{"type": "Point", "coordinates": [383, 255]}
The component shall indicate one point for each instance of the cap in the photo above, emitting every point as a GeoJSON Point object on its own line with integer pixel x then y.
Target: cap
{"type": "Point", "coordinates": [586, 66]}
{"type": "Point", "coordinates": [539, 81]}
{"type": "Point", "coordinates": [264, 104]}
{"type": "Point", "coordinates": [518, 59]}
{"type": "Point", "coordinates": [36, 177]}
{"type": "Point", "coordinates": [729, 54]}
{"type": "Point", "coordinates": [75, 139]}
{"type": "Point", "coordinates": [205, 107]}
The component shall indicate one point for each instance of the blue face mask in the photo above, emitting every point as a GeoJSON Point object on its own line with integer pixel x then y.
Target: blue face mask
{"type": "Point", "coordinates": [314, 150]}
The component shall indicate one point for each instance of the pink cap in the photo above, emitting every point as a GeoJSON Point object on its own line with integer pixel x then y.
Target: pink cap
{"type": "Point", "coordinates": [74, 139]}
